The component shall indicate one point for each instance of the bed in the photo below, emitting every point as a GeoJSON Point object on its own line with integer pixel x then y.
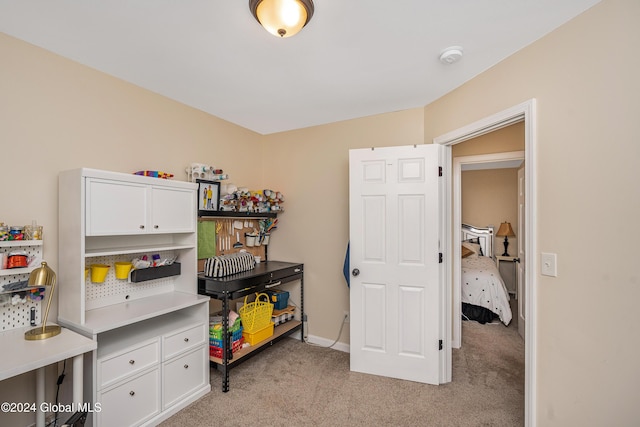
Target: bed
{"type": "Point", "coordinates": [483, 292]}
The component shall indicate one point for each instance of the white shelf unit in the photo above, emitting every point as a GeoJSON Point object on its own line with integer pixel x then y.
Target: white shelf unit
{"type": "Point", "coordinates": [17, 316]}
{"type": "Point", "coordinates": [105, 217]}
{"type": "Point", "coordinates": [33, 247]}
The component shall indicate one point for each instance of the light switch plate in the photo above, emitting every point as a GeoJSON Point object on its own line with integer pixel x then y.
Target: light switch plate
{"type": "Point", "coordinates": [549, 264]}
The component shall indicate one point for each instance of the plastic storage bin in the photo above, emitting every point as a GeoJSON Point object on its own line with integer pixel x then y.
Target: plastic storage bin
{"type": "Point", "coordinates": [217, 351]}
{"type": "Point", "coordinates": [260, 335]}
{"type": "Point", "coordinates": [217, 342]}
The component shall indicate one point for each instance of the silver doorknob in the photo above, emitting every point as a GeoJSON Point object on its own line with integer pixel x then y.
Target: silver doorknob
{"type": "Point", "coordinates": [355, 272]}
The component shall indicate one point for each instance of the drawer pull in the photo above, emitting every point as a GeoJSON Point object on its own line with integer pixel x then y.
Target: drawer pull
{"type": "Point", "coordinates": [131, 393]}
{"type": "Point", "coordinates": [156, 227]}
{"type": "Point", "coordinates": [131, 362]}
{"type": "Point", "coordinates": [142, 227]}
{"type": "Point", "coordinates": [186, 340]}
{"type": "Point", "coordinates": [273, 284]}
{"type": "Point", "coordinates": [186, 366]}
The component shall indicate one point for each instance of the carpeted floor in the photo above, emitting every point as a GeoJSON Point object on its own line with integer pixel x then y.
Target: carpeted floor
{"type": "Point", "coordinates": [297, 384]}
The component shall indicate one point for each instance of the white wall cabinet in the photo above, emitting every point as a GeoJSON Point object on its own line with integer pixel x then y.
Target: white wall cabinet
{"type": "Point", "coordinates": [152, 342]}
{"type": "Point", "coordinates": [121, 208]}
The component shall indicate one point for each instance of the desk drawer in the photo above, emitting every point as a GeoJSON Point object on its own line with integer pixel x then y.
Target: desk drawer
{"type": "Point", "coordinates": [183, 340]}
{"type": "Point", "coordinates": [115, 367]}
{"type": "Point", "coordinates": [132, 402]}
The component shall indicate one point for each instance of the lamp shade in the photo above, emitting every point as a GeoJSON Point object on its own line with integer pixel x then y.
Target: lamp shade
{"type": "Point", "coordinates": [40, 277]}
{"type": "Point", "coordinates": [282, 18]}
{"type": "Point", "coordinates": [505, 230]}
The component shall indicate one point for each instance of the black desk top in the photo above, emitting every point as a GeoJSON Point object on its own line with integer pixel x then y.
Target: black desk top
{"type": "Point", "coordinates": [263, 274]}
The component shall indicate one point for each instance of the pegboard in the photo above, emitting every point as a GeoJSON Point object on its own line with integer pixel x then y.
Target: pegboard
{"type": "Point", "coordinates": [113, 291]}
{"type": "Point", "coordinates": [19, 315]}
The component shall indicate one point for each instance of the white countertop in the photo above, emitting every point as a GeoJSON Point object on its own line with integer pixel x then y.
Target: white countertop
{"type": "Point", "coordinates": [19, 355]}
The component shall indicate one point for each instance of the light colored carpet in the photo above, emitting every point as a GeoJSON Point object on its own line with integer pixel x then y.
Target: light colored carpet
{"type": "Point", "coordinates": [297, 384]}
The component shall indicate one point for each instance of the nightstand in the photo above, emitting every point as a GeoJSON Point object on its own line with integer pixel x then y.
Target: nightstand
{"type": "Point", "coordinates": [513, 260]}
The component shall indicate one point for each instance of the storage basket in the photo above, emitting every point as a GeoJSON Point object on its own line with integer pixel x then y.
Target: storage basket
{"type": "Point", "coordinates": [217, 351]}
{"type": "Point", "coordinates": [260, 335]}
{"type": "Point", "coordinates": [217, 340]}
{"type": "Point", "coordinates": [256, 315]}
{"type": "Point", "coordinates": [215, 330]}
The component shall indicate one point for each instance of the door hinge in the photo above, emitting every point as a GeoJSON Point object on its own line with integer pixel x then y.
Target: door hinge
{"type": "Point", "coordinates": [439, 170]}
{"type": "Point", "coordinates": [440, 345]}
{"type": "Point", "coordinates": [440, 258]}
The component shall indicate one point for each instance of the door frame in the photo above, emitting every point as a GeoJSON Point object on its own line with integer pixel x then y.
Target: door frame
{"type": "Point", "coordinates": [526, 112]}
{"type": "Point", "coordinates": [458, 162]}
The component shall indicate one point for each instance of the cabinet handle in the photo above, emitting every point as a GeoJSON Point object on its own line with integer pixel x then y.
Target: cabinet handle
{"type": "Point", "coordinates": [131, 393]}
{"type": "Point", "coordinates": [273, 284]}
{"type": "Point", "coordinates": [156, 226]}
{"type": "Point", "coordinates": [142, 227]}
{"type": "Point", "coordinates": [131, 362]}
{"type": "Point", "coordinates": [186, 366]}
{"type": "Point", "coordinates": [186, 340]}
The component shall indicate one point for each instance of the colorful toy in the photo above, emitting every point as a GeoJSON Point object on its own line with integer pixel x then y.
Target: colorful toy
{"type": "Point", "coordinates": [155, 174]}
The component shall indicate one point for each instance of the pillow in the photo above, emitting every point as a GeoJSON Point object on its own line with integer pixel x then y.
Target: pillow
{"type": "Point", "coordinates": [466, 251]}
{"type": "Point", "coordinates": [473, 247]}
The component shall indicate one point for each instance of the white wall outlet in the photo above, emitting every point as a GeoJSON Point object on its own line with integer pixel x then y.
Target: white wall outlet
{"type": "Point", "coordinates": [347, 316]}
{"type": "Point", "coordinates": [549, 264]}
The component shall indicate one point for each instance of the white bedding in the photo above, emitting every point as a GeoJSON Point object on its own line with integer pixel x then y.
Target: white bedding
{"type": "Point", "coordinates": [483, 286]}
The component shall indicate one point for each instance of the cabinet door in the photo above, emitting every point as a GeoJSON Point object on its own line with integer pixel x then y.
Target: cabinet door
{"type": "Point", "coordinates": [184, 375]}
{"type": "Point", "coordinates": [115, 207]}
{"type": "Point", "coordinates": [173, 210]}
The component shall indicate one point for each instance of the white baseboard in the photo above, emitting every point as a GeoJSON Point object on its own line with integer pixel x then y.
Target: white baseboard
{"type": "Point", "coordinates": [323, 342]}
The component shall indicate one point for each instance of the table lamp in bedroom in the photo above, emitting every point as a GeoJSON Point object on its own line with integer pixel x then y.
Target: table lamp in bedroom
{"type": "Point", "coordinates": [505, 231]}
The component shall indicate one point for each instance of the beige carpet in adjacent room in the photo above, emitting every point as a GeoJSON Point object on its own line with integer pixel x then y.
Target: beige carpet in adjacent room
{"type": "Point", "coordinates": [297, 384]}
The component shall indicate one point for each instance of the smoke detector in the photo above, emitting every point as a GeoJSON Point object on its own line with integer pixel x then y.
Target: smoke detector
{"type": "Point", "coordinates": [451, 54]}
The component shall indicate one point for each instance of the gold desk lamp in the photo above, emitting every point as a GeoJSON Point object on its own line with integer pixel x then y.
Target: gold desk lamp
{"type": "Point", "coordinates": [43, 276]}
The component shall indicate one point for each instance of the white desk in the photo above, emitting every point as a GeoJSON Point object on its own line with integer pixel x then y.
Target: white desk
{"type": "Point", "coordinates": [19, 356]}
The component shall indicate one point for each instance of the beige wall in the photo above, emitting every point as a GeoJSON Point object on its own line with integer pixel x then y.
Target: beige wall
{"type": "Point", "coordinates": [587, 179]}
{"type": "Point", "coordinates": [490, 197]}
{"type": "Point", "coordinates": [311, 167]}
{"type": "Point", "coordinates": [57, 115]}
{"type": "Point", "coordinates": [510, 138]}
{"type": "Point", "coordinates": [584, 76]}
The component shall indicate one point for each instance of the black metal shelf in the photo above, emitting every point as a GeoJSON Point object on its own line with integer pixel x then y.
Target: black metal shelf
{"type": "Point", "coordinates": [232, 214]}
{"type": "Point", "coordinates": [266, 275]}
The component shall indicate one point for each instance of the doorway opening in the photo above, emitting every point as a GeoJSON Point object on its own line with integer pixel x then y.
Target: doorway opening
{"type": "Point", "coordinates": [526, 113]}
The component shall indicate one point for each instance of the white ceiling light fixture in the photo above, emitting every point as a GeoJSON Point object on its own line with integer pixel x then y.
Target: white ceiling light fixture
{"type": "Point", "coordinates": [282, 18]}
{"type": "Point", "coordinates": [451, 54]}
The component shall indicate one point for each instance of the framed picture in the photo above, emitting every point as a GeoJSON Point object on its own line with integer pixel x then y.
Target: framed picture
{"type": "Point", "coordinates": [208, 197]}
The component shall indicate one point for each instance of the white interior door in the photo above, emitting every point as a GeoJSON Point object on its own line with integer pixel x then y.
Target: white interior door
{"type": "Point", "coordinates": [520, 265]}
{"type": "Point", "coordinates": [396, 287]}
